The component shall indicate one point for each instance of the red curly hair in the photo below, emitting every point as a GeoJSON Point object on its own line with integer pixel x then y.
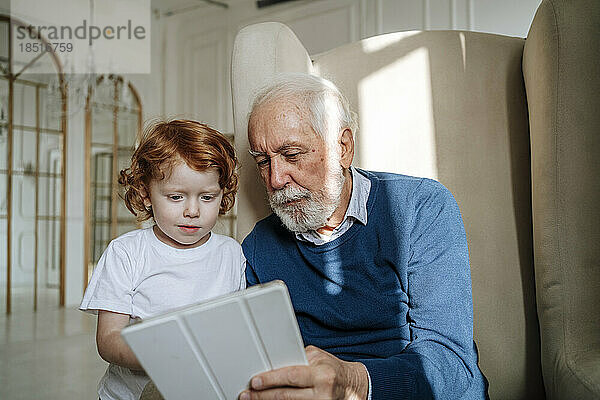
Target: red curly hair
{"type": "Point", "coordinates": [165, 143]}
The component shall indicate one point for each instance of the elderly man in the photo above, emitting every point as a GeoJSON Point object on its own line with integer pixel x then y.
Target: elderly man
{"type": "Point", "coordinates": [376, 263]}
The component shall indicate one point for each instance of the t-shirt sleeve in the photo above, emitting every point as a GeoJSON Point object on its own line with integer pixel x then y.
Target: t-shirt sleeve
{"type": "Point", "coordinates": [243, 274]}
{"type": "Point", "coordinates": [111, 285]}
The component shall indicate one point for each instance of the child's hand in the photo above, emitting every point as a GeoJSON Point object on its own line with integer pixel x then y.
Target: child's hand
{"type": "Point", "coordinates": [111, 346]}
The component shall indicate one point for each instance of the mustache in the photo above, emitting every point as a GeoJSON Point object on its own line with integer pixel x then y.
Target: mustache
{"type": "Point", "coordinates": [288, 194]}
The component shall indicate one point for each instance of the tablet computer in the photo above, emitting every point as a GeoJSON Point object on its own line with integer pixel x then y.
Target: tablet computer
{"type": "Point", "coordinates": [211, 350]}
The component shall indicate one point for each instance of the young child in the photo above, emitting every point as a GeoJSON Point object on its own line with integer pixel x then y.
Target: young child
{"type": "Point", "coordinates": [183, 176]}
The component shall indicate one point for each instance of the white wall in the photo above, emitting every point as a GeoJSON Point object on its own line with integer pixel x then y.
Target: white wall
{"type": "Point", "coordinates": [191, 55]}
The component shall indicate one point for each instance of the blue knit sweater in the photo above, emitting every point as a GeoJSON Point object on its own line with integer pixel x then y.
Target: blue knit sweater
{"type": "Point", "coordinates": [394, 294]}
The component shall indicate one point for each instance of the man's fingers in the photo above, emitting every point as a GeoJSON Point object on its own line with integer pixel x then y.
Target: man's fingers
{"type": "Point", "coordinates": [297, 376]}
{"type": "Point", "coordinates": [279, 394]}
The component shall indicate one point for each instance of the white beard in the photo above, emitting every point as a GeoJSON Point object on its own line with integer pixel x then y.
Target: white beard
{"type": "Point", "coordinates": [312, 210]}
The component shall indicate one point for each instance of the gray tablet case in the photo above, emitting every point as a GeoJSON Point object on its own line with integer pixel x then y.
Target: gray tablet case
{"type": "Point", "coordinates": [211, 350]}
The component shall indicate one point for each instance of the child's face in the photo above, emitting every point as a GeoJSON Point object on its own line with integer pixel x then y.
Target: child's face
{"type": "Point", "coordinates": [185, 205]}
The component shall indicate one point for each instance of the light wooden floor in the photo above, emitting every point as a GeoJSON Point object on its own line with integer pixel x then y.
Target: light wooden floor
{"type": "Point", "coordinates": [49, 354]}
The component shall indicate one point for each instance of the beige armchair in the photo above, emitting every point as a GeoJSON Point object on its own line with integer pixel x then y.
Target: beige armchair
{"type": "Point", "coordinates": [497, 120]}
{"type": "Point", "coordinates": [561, 65]}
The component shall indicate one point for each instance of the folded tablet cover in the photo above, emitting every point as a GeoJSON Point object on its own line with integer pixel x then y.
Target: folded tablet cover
{"type": "Point", "coordinates": [211, 350]}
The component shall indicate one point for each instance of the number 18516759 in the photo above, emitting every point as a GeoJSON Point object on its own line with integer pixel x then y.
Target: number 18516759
{"type": "Point", "coordinates": [50, 47]}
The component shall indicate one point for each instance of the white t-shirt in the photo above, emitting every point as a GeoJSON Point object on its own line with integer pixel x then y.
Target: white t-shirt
{"type": "Point", "coordinates": [141, 276]}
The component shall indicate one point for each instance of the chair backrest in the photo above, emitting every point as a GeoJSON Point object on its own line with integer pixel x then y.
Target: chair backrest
{"type": "Point", "coordinates": [447, 105]}
{"type": "Point", "coordinates": [561, 65]}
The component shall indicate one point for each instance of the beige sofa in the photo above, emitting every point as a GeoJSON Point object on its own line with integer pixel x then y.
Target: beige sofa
{"type": "Point", "coordinates": [512, 127]}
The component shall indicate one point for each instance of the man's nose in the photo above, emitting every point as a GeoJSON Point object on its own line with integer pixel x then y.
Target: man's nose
{"type": "Point", "coordinates": [278, 174]}
{"type": "Point", "coordinates": [192, 209]}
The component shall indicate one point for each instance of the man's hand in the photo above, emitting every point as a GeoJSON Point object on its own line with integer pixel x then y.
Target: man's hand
{"type": "Point", "coordinates": [325, 377]}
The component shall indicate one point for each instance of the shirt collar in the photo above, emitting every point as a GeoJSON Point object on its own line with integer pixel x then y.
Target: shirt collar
{"type": "Point", "coordinates": [356, 211]}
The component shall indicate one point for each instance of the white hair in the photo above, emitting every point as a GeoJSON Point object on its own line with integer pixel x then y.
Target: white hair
{"type": "Point", "coordinates": [326, 109]}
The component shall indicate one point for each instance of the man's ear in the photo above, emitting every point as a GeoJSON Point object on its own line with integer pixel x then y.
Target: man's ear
{"type": "Point", "coordinates": [346, 143]}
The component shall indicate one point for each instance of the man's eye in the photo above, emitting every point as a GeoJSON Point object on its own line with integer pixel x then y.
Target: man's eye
{"type": "Point", "coordinates": [175, 197]}
{"type": "Point", "coordinates": [207, 197]}
{"type": "Point", "coordinates": [262, 163]}
{"type": "Point", "coordinates": [292, 156]}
